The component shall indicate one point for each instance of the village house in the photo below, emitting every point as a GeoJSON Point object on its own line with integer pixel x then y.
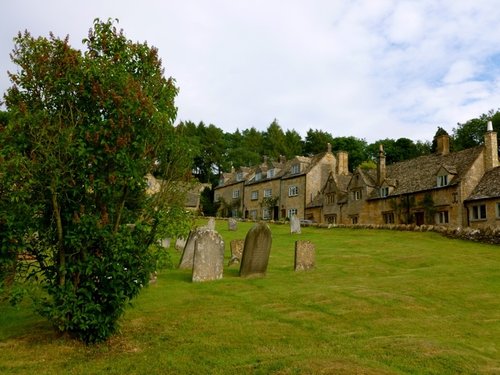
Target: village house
{"type": "Point", "coordinates": [278, 189]}
{"type": "Point", "coordinates": [444, 188]}
{"type": "Point", "coordinates": [230, 191]}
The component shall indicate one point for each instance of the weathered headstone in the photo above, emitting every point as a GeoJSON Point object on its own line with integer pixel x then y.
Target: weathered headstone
{"type": "Point", "coordinates": [236, 251]}
{"type": "Point", "coordinates": [305, 255]}
{"type": "Point", "coordinates": [256, 251]}
{"type": "Point", "coordinates": [232, 224]}
{"type": "Point", "coordinates": [294, 224]}
{"type": "Point", "coordinates": [180, 243]}
{"type": "Point", "coordinates": [165, 243]}
{"type": "Point", "coordinates": [186, 262]}
{"type": "Point", "coordinates": [208, 261]}
{"type": "Point", "coordinates": [211, 223]}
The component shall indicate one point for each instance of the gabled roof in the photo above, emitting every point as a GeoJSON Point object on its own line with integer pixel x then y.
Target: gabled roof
{"type": "Point", "coordinates": [419, 174]}
{"type": "Point", "coordinates": [488, 187]}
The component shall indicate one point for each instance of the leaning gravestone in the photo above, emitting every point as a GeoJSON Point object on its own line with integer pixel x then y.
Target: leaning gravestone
{"type": "Point", "coordinates": [232, 224]}
{"type": "Point", "coordinates": [208, 261]}
{"type": "Point", "coordinates": [211, 223]}
{"type": "Point", "coordinates": [305, 255]}
{"type": "Point", "coordinates": [294, 224]}
{"type": "Point", "coordinates": [256, 251]}
{"type": "Point", "coordinates": [236, 251]}
{"type": "Point", "coordinates": [186, 262]}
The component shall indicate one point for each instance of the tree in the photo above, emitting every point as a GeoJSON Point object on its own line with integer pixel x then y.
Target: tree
{"type": "Point", "coordinates": [294, 144]}
{"type": "Point", "coordinates": [84, 129]}
{"type": "Point", "coordinates": [354, 146]}
{"type": "Point", "coordinates": [274, 141]}
{"type": "Point", "coordinates": [316, 141]}
{"type": "Point", "coordinates": [471, 133]}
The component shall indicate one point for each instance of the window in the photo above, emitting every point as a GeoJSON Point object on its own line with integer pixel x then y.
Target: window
{"type": "Point", "coordinates": [239, 176]}
{"type": "Point", "coordinates": [236, 194]}
{"type": "Point", "coordinates": [292, 212]}
{"type": "Point", "coordinates": [293, 191]}
{"type": "Point", "coordinates": [270, 173]}
{"type": "Point", "coordinates": [389, 217]}
{"type": "Point", "coordinates": [354, 219]}
{"type": "Point", "coordinates": [221, 181]}
{"type": "Point", "coordinates": [268, 193]}
{"type": "Point", "coordinates": [442, 180]}
{"type": "Point", "coordinates": [266, 213]}
{"type": "Point", "coordinates": [442, 217]}
{"type": "Point", "coordinates": [331, 219]}
{"type": "Point", "coordinates": [258, 176]}
{"type": "Point", "coordinates": [295, 168]}
{"type": "Point", "coordinates": [384, 191]}
{"type": "Point", "coordinates": [253, 214]}
{"type": "Point", "coordinates": [356, 195]}
{"type": "Point", "coordinates": [498, 210]}
{"type": "Point", "coordinates": [254, 196]}
{"type": "Point", "coordinates": [330, 198]}
{"type": "Point", "coordinates": [479, 212]}
{"type": "Point", "coordinates": [216, 197]}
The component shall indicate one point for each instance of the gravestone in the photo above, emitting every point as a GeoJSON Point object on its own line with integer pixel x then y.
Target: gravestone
{"type": "Point", "coordinates": [294, 224]}
{"type": "Point", "coordinates": [236, 251]}
{"type": "Point", "coordinates": [186, 262]}
{"type": "Point", "coordinates": [305, 255]}
{"type": "Point", "coordinates": [211, 223]}
{"type": "Point", "coordinates": [232, 224]}
{"type": "Point", "coordinates": [208, 261]}
{"type": "Point", "coordinates": [165, 243]}
{"type": "Point", "coordinates": [256, 251]}
{"type": "Point", "coordinates": [180, 244]}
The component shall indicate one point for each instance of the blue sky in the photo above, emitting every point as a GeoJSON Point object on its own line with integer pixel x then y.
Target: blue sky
{"type": "Point", "coordinates": [372, 69]}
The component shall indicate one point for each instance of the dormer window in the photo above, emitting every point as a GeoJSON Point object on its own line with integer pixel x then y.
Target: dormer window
{"type": "Point", "coordinates": [239, 176]}
{"type": "Point", "coordinates": [384, 191]}
{"type": "Point", "coordinates": [221, 181]}
{"type": "Point", "coordinates": [442, 180]}
{"type": "Point", "coordinates": [258, 176]}
{"type": "Point", "coordinates": [270, 173]}
{"type": "Point", "coordinates": [295, 169]}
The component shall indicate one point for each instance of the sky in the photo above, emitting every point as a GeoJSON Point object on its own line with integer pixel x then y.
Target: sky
{"type": "Point", "coordinates": [371, 69]}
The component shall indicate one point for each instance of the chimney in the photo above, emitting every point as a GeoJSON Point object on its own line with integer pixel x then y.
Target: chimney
{"type": "Point", "coordinates": [282, 159]}
{"type": "Point", "coordinates": [381, 165]}
{"type": "Point", "coordinates": [491, 148]}
{"type": "Point", "coordinates": [443, 144]}
{"type": "Point", "coordinates": [342, 163]}
{"type": "Point", "coordinates": [329, 148]}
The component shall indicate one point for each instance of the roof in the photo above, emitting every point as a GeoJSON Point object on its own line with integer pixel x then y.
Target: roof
{"type": "Point", "coordinates": [419, 174]}
{"type": "Point", "coordinates": [488, 187]}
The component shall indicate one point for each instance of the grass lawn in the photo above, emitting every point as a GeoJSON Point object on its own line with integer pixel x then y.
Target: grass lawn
{"type": "Point", "coordinates": [378, 302]}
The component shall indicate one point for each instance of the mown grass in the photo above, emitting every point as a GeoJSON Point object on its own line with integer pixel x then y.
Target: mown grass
{"type": "Point", "coordinates": [378, 302]}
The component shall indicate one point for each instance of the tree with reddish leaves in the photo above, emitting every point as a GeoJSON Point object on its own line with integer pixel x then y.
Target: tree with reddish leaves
{"type": "Point", "coordinates": [84, 130]}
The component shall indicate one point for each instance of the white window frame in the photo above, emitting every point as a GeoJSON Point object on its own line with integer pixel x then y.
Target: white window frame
{"type": "Point", "coordinates": [295, 169]}
{"type": "Point", "coordinates": [478, 212]}
{"type": "Point", "coordinates": [384, 191]}
{"type": "Point", "coordinates": [293, 191]}
{"type": "Point", "coordinates": [253, 214]}
{"type": "Point", "coordinates": [442, 217]}
{"type": "Point", "coordinates": [356, 195]}
{"type": "Point", "coordinates": [266, 213]}
{"type": "Point", "coordinates": [236, 194]}
{"type": "Point", "coordinates": [268, 193]}
{"type": "Point", "coordinates": [270, 173]}
{"type": "Point", "coordinates": [254, 195]}
{"type": "Point", "coordinates": [239, 176]}
{"type": "Point", "coordinates": [292, 212]}
{"type": "Point", "coordinates": [258, 176]}
{"type": "Point", "coordinates": [442, 180]}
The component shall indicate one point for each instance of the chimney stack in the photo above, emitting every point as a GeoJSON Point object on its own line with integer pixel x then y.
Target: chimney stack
{"type": "Point", "coordinates": [443, 144]}
{"type": "Point", "coordinates": [381, 172]}
{"type": "Point", "coordinates": [491, 148]}
{"type": "Point", "coordinates": [342, 163]}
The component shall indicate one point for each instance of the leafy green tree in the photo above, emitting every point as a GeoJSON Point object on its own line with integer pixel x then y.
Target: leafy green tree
{"type": "Point", "coordinates": [316, 141]}
{"type": "Point", "coordinates": [396, 150]}
{"type": "Point", "coordinates": [294, 144]}
{"type": "Point", "coordinates": [84, 129]}
{"type": "Point", "coordinates": [471, 133]}
{"type": "Point", "coordinates": [274, 141]}
{"type": "Point", "coordinates": [354, 146]}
